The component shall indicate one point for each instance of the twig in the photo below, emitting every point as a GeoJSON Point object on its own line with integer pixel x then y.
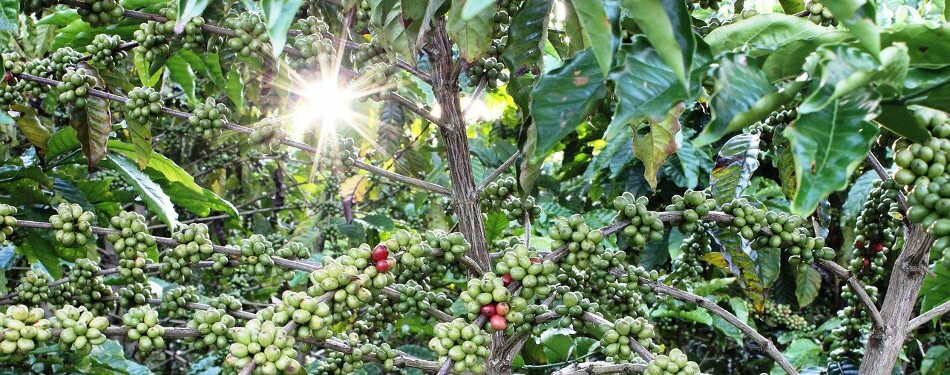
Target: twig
{"type": "Point", "coordinates": [601, 367]}
{"type": "Point", "coordinates": [498, 171]}
{"type": "Point", "coordinates": [749, 332]}
{"type": "Point", "coordinates": [921, 319]}
{"type": "Point", "coordinates": [226, 216]}
{"type": "Point", "coordinates": [856, 287]}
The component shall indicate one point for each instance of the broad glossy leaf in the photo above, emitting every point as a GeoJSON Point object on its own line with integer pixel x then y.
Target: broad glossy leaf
{"type": "Point", "coordinates": [859, 17]}
{"type": "Point", "coordinates": [763, 33]}
{"type": "Point", "coordinates": [902, 121]}
{"type": "Point", "coordinates": [928, 45]}
{"type": "Point", "coordinates": [495, 226]}
{"type": "Point", "coordinates": [418, 16]}
{"type": "Point", "coordinates": [63, 141]}
{"type": "Point", "coordinates": [843, 69]}
{"type": "Point", "coordinates": [736, 162]}
{"type": "Point", "coordinates": [234, 89]}
{"type": "Point", "coordinates": [279, 15]}
{"type": "Point", "coordinates": [792, 6]}
{"type": "Point", "coordinates": [655, 141]}
{"type": "Point", "coordinates": [667, 25]}
{"type": "Point", "coordinates": [828, 146]}
{"type": "Point", "coordinates": [936, 287]}
{"type": "Point", "coordinates": [784, 161]}
{"type": "Point", "coordinates": [803, 352]}
{"type": "Point", "coordinates": [142, 67]}
{"type": "Point", "coordinates": [807, 285]}
{"type": "Point", "coordinates": [141, 137]}
{"type": "Point", "coordinates": [786, 62]}
{"type": "Point", "coordinates": [154, 197]}
{"type": "Point", "coordinates": [526, 36]}
{"type": "Point", "coordinates": [62, 17]}
{"type": "Point", "coordinates": [473, 36]}
{"type": "Point", "coordinates": [573, 33]}
{"type": "Point", "coordinates": [386, 19]}
{"type": "Point", "coordinates": [645, 87]}
{"type": "Point", "coordinates": [563, 98]}
{"type": "Point", "coordinates": [739, 88]}
{"type": "Point", "coordinates": [857, 195]}
{"type": "Point", "coordinates": [180, 71]}
{"type": "Point", "coordinates": [595, 26]}
{"type": "Point", "coordinates": [936, 361]}
{"type": "Point", "coordinates": [30, 126]}
{"type": "Point", "coordinates": [737, 255]}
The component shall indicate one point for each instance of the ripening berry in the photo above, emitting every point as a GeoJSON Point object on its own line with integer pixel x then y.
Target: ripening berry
{"type": "Point", "coordinates": [488, 310]}
{"type": "Point", "coordinates": [381, 252]}
{"type": "Point", "coordinates": [382, 266]}
{"type": "Point", "coordinates": [498, 322]}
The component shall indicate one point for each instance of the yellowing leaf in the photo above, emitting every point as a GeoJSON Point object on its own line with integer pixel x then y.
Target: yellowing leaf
{"type": "Point", "coordinates": [657, 143]}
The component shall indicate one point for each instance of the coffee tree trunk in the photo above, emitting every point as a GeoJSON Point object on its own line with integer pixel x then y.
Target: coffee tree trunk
{"type": "Point", "coordinates": [446, 90]}
{"type": "Point", "coordinates": [885, 343]}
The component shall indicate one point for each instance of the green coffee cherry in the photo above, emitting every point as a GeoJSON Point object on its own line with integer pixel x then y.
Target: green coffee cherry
{"type": "Point", "coordinates": [268, 135]}
{"type": "Point", "coordinates": [525, 266]}
{"type": "Point", "coordinates": [33, 288]}
{"type": "Point", "coordinates": [144, 105]}
{"type": "Point", "coordinates": [144, 328]}
{"type": "Point", "coordinates": [209, 117]}
{"type": "Point", "coordinates": [251, 38]}
{"type": "Point", "coordinates": [675, 363]}
{"type": "Point", "coordinates": [80, 329]}
{"type": "Point", "coordinates": [267, 345]}
{"type": "Point", "coordinates": [101, 12]}
{"type": "Point", "coordinates": [73, 225]}
{"type": "Point", "coordinates": [175, 302]}
{"type": "Point", "coordinates": [645, 226]}
{"type": "Point", "coordinates": [131, 244]}
{"type": "Point", "coordinates": [194, 245]}
{"type": "Point", "coordinates": [134, 294]}
{"type": "Point", "coordinates": [7, 221]}
{"type": "Point", "coordinates": [214, 325]}
{"type": "Point", "coordinates": [465, 344]}
{"type": "Point", "coordinates": [24, 330]}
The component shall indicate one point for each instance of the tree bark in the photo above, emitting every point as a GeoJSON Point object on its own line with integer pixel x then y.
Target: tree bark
{"type": "Point", "coordinates": [885, 343]}
{"type": "Point", "coordinates": [446, 90]}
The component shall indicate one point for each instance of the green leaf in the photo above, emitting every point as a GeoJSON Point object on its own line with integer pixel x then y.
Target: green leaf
{"type": "Point", "coordinates": [739, 85]}
{"type": "Point", "coordinates": [740, 308]}
{"type": "Point", "coordinates": [936, 287]}
{"type": "Point", "coordinates": [928, 45]}
{"type": "Point", "coordinates": [63, 141]}
{"type": "Point", "coordinates": [526, 36]}
{"type": "Point", "coordinates": [803, 352]}
{"type": "Point", "coordinates": [858, 16]}
{"type": "Point", "coordinates": [843, 70]}
{"type": "Point", "coordinates": [62, 17]}
{"type": "Point", "coordinates": [768, 263]}
{"type": "Point", "coordinates": [418, 16]}
{"type": "Point", "coordinates": [188, 9]}
{"type": "Point", "coordinates": [595, 26]}
{"type": "Point", "coordinates": [736, 162]}
{"type": "Point", "coordinates": [234, 89]}
{"type": "Point", "coordinates": [154, 197]}
{"type": "Point", "coordinates": [655, 141]}
{"type": "Point", "coordinates": [279, 15]}
{"type": "Point", "coordinates": [180, 71]}
{"type": "Point", "coordinates": [858, 194]}
{"type": "Point", "coordinates": [11, 15]}
{"type": "Point", "coordinates": [807, 285]}
{"type": "Point", "coordinates": [667, 25]}
{"type": "Point", "coordinates": [473, 36]}
{"type": "Point", "coordinates": [786, 61]}
{"type": "Point", "coordinates": [645, 88]}
{"type": "Point", "coordinates": [763, 34]}
{"type": "Point", "coordinates": [111, 355]}
{"type": "Point", "coordinates": [30, 126]}
{"type": "Point", "coordinates": [573, 32]}
{"type": "Point", "coordinates": [177, 183]}
{"type": "Point", "coordinates": [563, 99]}
{"type": "Point", "coordinates": [792, 6]}
{"type": "Point", "coordinates": [738, 255]}
{"type": "Point", "coordinates": [143, 68]}
{"type": "Point", "coordinates": [557, 347]}
{"type": "Point", "coordinates": [387, 21]}
{"type": "Point", "coordinates": [901, 121]}
{"type": "Point", "coordinates": [472, 8]}
{"type": "Point", "coordinates": [936, 360]}
{"type": "Point", "coordinates": [828, 146]}
{"type": "Point", "coordinates": [141, 137]}
{"type": "Point", "coordinates": [495, 226]}
{"type": "Point", "coordinates": [784, 161]}
{"type": "Point", "coordinates": [37, 247]}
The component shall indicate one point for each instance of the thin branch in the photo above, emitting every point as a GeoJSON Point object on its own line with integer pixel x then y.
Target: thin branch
{"type": "Point", "coordinates": [749, 332]}
{"type": "Point", "coordinates": [415, 108]}
{"type": "Point", "coordinates": [601, 367]}
{"type": "Point", "coordinates": [498, 171]}
{"type": "Point", "coordinates": [857, 288]}
{"type": "Point", "coordinates": [226, 216]}
{"type": "Point", "coordinates": [243, 129]}
{"type": "Point", "coordinates": [922, 319]}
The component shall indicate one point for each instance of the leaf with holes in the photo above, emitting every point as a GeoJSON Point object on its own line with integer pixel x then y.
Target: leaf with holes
{"type": "Point", "coordinates": [736, 162]}
{"type": "Point", "coordinates": [655, 141]}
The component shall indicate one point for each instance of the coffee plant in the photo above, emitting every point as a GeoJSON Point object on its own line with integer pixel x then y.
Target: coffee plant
{"type": "Point", "coordinates": [475, 186]}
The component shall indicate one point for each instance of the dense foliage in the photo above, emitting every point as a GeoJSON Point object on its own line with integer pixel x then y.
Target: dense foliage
{"type": "Point", "coordinates": [483, 186]}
